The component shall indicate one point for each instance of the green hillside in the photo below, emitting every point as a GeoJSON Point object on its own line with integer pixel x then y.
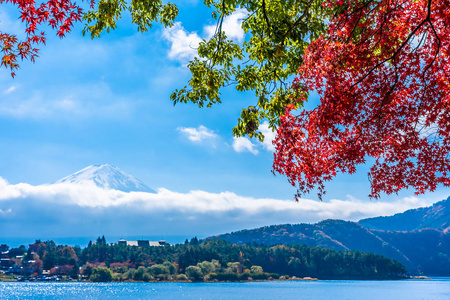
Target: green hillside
{"type": "Point", "coordinates": [423, 250]}
{"type": "Point", "coordinates": [436, 216]}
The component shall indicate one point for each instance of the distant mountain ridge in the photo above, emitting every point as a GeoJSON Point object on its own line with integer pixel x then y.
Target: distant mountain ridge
{"type": "Point", "coordinates": [107, 177]}
{"type": "Point", "coordinates": [436, 216]}
{"type": "Point", "coordinates": [421, 251]}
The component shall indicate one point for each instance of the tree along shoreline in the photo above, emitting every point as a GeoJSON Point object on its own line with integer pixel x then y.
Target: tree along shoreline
{"type": "Point", "coordinates": [281, 278]}
{"type": "Point", "coordinates": [69, 279]}
{"type": "Point", "coordinates": [194, 261]}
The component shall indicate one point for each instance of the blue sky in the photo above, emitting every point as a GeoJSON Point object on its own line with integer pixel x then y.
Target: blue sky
{"type": "Point", "coordinates": [107, 100]}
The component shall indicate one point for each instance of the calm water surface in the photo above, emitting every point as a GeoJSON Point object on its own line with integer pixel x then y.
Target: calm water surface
{"type": "Point", "coordinates": [404, 289]}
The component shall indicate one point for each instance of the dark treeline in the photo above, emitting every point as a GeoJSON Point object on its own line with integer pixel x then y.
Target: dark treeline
{"type": "Point", "coordinates": [194, 260]}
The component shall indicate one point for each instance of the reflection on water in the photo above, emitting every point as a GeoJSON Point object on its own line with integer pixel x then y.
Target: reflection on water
{"type": "Point", "coordinates": [438, 288]}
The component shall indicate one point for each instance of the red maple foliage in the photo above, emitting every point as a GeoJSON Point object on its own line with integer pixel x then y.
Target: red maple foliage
{"type": "Point", "coordinates": [382, 73]}
{"type": "Point", "coordinates": [59, 14]}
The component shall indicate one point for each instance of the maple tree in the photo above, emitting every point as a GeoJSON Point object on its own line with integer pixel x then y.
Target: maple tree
{"type": "Point", "coordinates": [382, 74]}
{"type": "Point", "coordinates": [63, 14]}
{"type": "Point", "coordinates": [380, 67]}
{"type": "Point", "coordinates": [264, 63]}
{"type": "Point", "coordinates": [59, 14]}
{"type": "Point", "coordinates": [277, 34]}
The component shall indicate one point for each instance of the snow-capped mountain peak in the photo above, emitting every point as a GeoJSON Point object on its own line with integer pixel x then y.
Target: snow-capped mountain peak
{"type": "Point", "coordinates": [107, 177]}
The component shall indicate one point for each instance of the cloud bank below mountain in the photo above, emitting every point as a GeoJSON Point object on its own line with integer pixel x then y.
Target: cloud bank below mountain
{"type": "Point", "coordinates": [66, 209]}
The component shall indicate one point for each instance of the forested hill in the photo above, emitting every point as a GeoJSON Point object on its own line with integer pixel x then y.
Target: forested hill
{"type": "Point", "coordinates": [423, 251]}
{"type": "Point", "coordinates": [436, 216]}
{"type": "Point", "coordinates": [206, 261]}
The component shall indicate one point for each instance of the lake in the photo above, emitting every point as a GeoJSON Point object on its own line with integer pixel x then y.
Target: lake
{"type": "Point", "coordinates": [438, 288]}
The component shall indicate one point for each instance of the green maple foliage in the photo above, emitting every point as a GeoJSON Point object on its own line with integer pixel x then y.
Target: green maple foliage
{"type": "Point", "coordinates": [277, 34]}
{"type": "Point", "coordinates": [143, 13]}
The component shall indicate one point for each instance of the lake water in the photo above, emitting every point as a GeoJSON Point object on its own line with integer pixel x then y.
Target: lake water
{"type": "Point", "coordinates": [339, 289]}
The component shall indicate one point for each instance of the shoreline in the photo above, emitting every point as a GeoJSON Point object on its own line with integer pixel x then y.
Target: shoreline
{"type": "Point", "coordinates": [216, 281]}
{"type": "Point", "coordinates": [155, 281]}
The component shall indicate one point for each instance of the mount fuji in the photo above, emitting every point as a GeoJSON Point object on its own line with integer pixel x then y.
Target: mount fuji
{"type": "Point", "coordinates": [107, 177]}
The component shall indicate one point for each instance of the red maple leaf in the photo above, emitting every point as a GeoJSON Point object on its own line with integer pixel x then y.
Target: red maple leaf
{"type": "Point", "coordinates": [382, 73]}
{"type": "Point", "coordinates": [59, 14]}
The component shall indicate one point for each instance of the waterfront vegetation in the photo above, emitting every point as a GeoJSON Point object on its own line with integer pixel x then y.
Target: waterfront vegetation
{"type": "Point", "coordinates": [207, 261]}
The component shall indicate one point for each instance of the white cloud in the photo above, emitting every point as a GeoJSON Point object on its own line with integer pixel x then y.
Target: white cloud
{"type": "Point", "coordinates": [82, 101]}
{"type": "Point", "coordinates": [426, 131]}
{"type": "Point", "coordinates": [199, 134]}
{"type": "Point", "coordinates": [10, 89]}
{"type": "Point", "coordinates": [77, 209]}
{"type": "Point", "coordinates": [231, 25]}
{"type": "Point", "coordinates": [269, 136]}
{"type": "Point", "coordinates": [4, 212]}
{"type": "Point", "coordinates": [8, 191]}
{"type": "Point", "coordinates": [242, 144]}
{"type": "Point", "coordinates": [183, 44]}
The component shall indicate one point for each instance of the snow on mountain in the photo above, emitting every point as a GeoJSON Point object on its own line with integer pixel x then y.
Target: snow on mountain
{"type": "Point", "coordinates": [107, 177]}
